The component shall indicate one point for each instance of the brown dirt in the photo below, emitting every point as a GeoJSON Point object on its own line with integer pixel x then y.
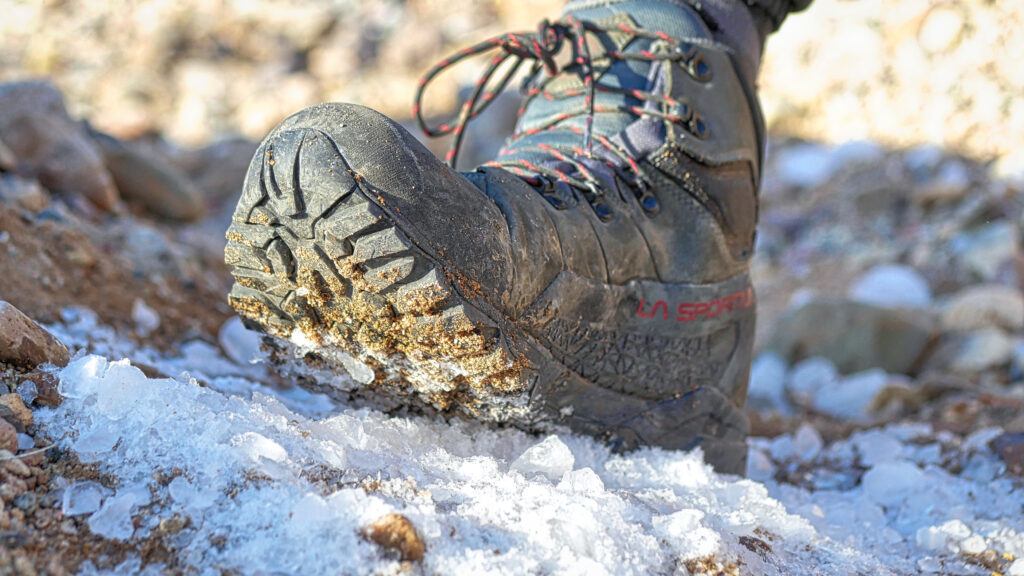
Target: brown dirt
{"type": "Point", "coordinates": [47, 265]}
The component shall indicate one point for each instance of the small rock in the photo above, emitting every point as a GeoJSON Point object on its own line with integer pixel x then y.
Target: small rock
{"type": "Point", "coordinates": [7, 415]}
{"type": "Point", "coordinates": [892, 286]}
{"type": "Point", "coordinates": [985, 306]}
{"type": "Point", "coordinates": [767, 383]}
{"type": "Point", "coordinates": [17, 406]}
{"type": "Point", "coordinates": [985, 250]}
{"type": "Point", "coordinates": [808, 376]}
{"type": "Point", "coordinates": [50, 145]}
{"type": "Point", "coordinates": [23, 193]}
{"type": "Point", "coordinates": [25, 343]}
{"type": "Point", "coordinates": [8, 436]}
{"type": "Point", "coordinates": [971, 352]}
{"type": "Point", "coordinates": [1010, 448]}
{"type": "Point", "coordinates": [47, 393]}
{"type": "Point", "coordinates": [395, 532]}
{"type": "Point", "coordinates": [854, 335]}
{"type": "Point", "coordinates": [853, 397]}
{"type": "Point", "coordinates": [7, 160]}
{"type": "Point", "coordinates": [950, 185]}
{"type": "Point", "coordinates": [14, 465]}
{"type": "Point", "coordinates": [146, 319]}
{"type": "Point", "coordinates": [158, 186]}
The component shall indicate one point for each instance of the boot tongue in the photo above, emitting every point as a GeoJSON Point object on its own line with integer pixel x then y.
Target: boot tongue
{"type": "Point", "coordinates": [675, 19]}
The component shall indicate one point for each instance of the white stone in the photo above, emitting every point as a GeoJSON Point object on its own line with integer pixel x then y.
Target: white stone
{"type": "Point", "coordinates": [1017, 568]}
{"type": "Point", "coordinates": [810, 375]}
{"type": "Point", "coordinates": [982, 350]}
{"type": "Point", "coordinates": [852, 397]}
{"type": "Point", "coordinates": [892, 286]}
{"type": "Point", "coordinates": [768, 382]}
{"type": "Point", "coordinates": [985, 306]}
{"type": "Point", "coordinates": [146, 319]}
{"type": "Point", "coordinates": [807, 443]}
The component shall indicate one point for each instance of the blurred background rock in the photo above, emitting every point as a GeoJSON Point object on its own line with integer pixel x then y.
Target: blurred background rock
{"type": "Point", "coordinates": [897, 72]}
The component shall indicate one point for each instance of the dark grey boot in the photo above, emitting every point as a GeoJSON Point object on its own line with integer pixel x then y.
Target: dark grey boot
{"type": "Point", "coordinates": [594, 276]}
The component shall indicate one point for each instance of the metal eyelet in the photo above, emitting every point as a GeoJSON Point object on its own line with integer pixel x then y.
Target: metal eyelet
{"type": "Point", "coordinates": [650, 204]}
{"type": "Point", "coordinates": [603, 211]}
{"type": "Point", "coordinates": [699, 128]}
{"type": "Point", "coordinates": [699, 68]}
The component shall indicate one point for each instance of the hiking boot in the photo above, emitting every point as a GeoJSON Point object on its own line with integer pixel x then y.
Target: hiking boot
{"type": "Point", "coordinates": [593, 277]}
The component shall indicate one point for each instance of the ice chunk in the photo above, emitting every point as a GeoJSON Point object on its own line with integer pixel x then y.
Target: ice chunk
{"type": "Point", "coordinates": [28, 391]}
{"type": "Point", "coordinates": [97, 442]}
{"type": "Point", "coordinates": [768, 382]}
{"type": "Point", "coordinates": [892, 286]}
{"type": "Point", "coordinates": [549, 457]}
{"type": "Point", "coordinates": [876, 447]}
{"type": "Point", "coordinates": [82, 498]}
{"type": "Point", "coordinates": [257, 446]}
{"type": "Point", "coordinates": [759, 465]}
{"type": "Point", "coordinates": [946, 536]}
{"type": "Point", "coordinates": [357, 370]}
{"type": "Point", "coordinates": [25, 442]}
{"type": "Point", "coordinates": [807, 443]}
{"type": "Point", "coordinates": [146, 319]}
{"type": "Point", "coordinates": [889, 483]}
{"type": "Point", "coordinates": [686, 533]}
{"type": "Point", "coordinates": [853, 396]}
{"type": "Point", "coordinates": [114, 519]}
{"type": "Point", "coordinates": [239, 343]}
{"type": "Point", "coordinates": [583, 481]}
{"type": "Point", "coordinates": [809, 375]}
{"type": "Point", "coordinates": [1017, 568]}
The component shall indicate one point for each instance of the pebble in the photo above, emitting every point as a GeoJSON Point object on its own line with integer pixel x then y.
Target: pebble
{"type": "Point", "coordinates": [7, 160]}
{"type": "Point", "coordinates": [25, 343]}
{"type": "Point", "coordinates": [8, 436]}
{"type": "Point", "coordinates": [51, 146]}
{"type": "Point", "coordinates": [985, 306]}
{"type": "Point", "coordinates": [972, 352]}
{"type": "Point", "coordinates": [14, 402]}
{"type": "Point", "coordinates": [158, 186]}
{"type": "Point", "coordinates": [397, 533]}
{"type": "Point", "coordinates": [768, 382]}
{"type": "Point", "coordinates": [1010, 448]}
{"type": "Point", "coordinates": [985, 250]}
{"type": "Point", "coordinates": [892, 286]}
{"type": "Point", "coordinates": [23, 193]}
{"type": "Point", "coordinates": [856, 336]}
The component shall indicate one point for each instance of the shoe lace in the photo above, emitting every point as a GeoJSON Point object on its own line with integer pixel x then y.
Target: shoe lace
{"type": "Point", "coordinates": [542, 47]}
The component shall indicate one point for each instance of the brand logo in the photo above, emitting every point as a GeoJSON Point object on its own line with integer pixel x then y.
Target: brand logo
{"type": "Point", "coordinates": [690, 311]}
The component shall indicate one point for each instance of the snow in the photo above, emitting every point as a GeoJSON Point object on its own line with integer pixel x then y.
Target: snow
{"type": "Point", "coordinates": [283, 481]}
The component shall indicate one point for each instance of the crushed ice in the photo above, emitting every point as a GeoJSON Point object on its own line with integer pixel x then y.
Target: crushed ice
{"type": "Point", "coordinates": [287, 481]}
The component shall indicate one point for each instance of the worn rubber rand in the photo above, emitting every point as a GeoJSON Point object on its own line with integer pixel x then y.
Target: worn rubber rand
{"type": "Point", "coordinates": [320, 264]}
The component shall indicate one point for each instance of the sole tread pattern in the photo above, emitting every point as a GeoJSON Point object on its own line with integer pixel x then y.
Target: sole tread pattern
{"type": "Point", "coordinates": [310, 252]}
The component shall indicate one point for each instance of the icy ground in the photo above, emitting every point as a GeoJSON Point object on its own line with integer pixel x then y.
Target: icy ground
{"type": "Point", "coordinates": [287, 482]}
